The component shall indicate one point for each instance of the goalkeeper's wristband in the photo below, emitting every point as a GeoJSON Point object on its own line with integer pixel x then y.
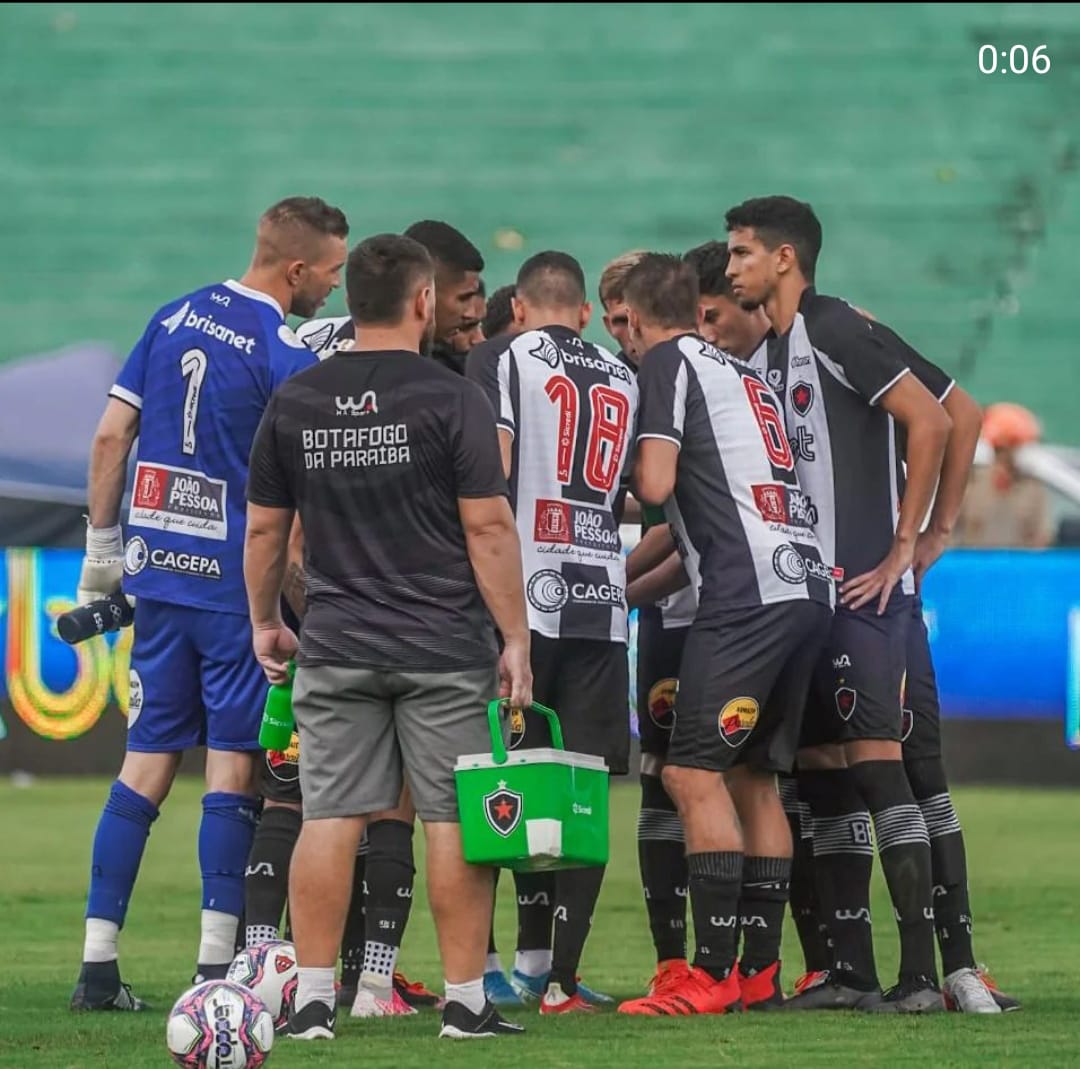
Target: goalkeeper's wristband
{"type": "Point", "coordinates": [104, 543]}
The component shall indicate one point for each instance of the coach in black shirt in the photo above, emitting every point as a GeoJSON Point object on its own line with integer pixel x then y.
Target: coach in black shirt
{"type": "Point", "coordinates": [411, 553]}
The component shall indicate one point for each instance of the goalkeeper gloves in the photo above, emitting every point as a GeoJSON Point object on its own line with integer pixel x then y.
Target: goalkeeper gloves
{"type": "Point", "coordinates": [103, 565]}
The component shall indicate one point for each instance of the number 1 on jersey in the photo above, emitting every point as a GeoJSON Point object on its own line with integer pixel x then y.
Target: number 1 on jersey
{"type": "Point", "coordinates": [193, 368]}
{"type": "Point", "coordinates": [609, 416]}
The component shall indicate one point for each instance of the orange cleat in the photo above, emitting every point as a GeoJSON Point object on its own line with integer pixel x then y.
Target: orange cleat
{"type": "Point", "coordinates": [671, 971]}
{"type": "Point", "coordinates": [696, 992]}
{"type": "Point", "coordinates": [761, 991]}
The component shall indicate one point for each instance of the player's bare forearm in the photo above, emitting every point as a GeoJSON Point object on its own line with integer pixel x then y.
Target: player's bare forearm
{"type": "Point", "coordinates": [928, 425]}
{"type": "Point", "coordinates": [109, 454]}
{"type": "Point", "coordinates": [656, 545]}
{"type": "Point", "coordinates": [654, 470]}
{"type": "Point", "coordinates": [666, 579]}
{"type": "Point", "coordinates": [265, 557]}
{"type": "Point", "coordinates": [966, 416]}
{"type": "Point", "coordinates": [506, 451]}
{"type": "Point", "coordinates": [494, 549]}
{"type": "Point", "coordinates": [925, 452]}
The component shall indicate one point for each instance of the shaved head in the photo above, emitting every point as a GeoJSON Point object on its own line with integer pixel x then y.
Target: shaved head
{"type": "Point", "coordinates": [294, 229]}
{"type": "Point", "coordinates": [551, 280]}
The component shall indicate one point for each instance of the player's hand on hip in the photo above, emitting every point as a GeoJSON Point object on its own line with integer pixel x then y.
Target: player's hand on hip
{"type": "Point", "coordinates": [515, 673]}
{"type": "Point", "coordinates": [274, 647]}
{"type": "Point", "coordinates": [881, 582]}
{"type": "Point", "coordinates": [103, 566]}
{"type": "Point", "coordinates": [928, 548]}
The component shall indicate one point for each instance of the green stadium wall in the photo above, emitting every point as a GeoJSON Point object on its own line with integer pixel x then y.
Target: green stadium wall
{"type": "Point", "coordinates": [140, 143]}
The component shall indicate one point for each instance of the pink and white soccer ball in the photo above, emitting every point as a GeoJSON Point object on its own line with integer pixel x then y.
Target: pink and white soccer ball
{"type": "Point", "coordinates": [220, 1025]}
{"type": "Point", "coordinates": [269, 969]}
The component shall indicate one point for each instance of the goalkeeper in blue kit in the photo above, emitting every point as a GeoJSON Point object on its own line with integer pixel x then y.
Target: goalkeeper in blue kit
{"type": "Point", "coordinates": [193, 391]}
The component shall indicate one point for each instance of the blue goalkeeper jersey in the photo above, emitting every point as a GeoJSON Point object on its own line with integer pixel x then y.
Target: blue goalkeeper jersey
{"type": "Point", "coordinates": [201, 376]}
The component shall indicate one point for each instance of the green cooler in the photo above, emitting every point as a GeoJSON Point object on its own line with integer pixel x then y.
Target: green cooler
{"type": "Point", "coordinates": [534, 810]}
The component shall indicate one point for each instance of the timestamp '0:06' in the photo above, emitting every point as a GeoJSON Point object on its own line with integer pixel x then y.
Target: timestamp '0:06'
{"type": "Point", "coordinates": [1018, 57]}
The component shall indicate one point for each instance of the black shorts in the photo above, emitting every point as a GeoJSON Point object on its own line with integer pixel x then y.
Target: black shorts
{"type": "Point", "coordinates": [279, 774]}
{"type": "Point", "coordinates": [858, 682]}
{"type": "Point", "coordinates": [659, 654]}
{"type": "Point", "coordinates": [743, 684]}
{"type": "Point", "coordinates": [586, 681]}
{"type": "Point", "coordinates": [920, 726]}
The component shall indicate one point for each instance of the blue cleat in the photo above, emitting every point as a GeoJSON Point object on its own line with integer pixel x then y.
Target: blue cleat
{"type": "Point", "coordinates": [594, 998]}
{"type": "Point", "coordinates": [531, 988]}
{"type": "Point", "coordinates": [499, 990]}
{"type": "Point", "coordinates": [528, 988]}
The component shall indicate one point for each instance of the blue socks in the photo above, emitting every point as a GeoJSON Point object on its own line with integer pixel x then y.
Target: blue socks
{"type": "Point", "coordinates": [225, 835]}
{"type": "Point", "coordinates": [119, 843]}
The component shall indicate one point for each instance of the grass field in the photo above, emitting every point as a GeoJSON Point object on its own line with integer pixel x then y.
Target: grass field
{"type": "Point", "coordinates": [1025, 860]}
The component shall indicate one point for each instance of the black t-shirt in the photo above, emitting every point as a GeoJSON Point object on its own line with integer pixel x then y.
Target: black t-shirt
{"type": "Point", "coordinates": [374, 450]}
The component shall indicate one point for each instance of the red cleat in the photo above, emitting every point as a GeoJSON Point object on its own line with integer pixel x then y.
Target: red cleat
{"type": "Point", "coordinates": [556, 1000]}
{"type": "Point", "coordinates": [671, 971]}
{"type": "Point", "coordinates": [810, 980]}
{"type": "Point", "coordinates": [697, 992]}
{"type": "Point", "coordinates": [415, 994]}
{"type": "Point", "coordinates": [762, 990]}
{"type": "Point", "coordinates": [1006, 1002]}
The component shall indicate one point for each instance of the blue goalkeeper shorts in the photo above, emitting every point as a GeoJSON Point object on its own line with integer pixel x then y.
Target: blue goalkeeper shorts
{"type": "Point", "coordinates": [194, 680]}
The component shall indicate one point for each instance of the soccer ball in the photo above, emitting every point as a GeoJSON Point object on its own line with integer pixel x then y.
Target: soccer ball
{"type": "Point", "coordinates": [269, 969]}
{"type": "Point", "coordinates": [219, 1025]}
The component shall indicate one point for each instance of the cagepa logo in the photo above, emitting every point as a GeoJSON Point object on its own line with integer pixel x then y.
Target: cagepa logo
{"type": "Point", "coordinates": [788, 564]}
{"type": "Point", "coordinates": [136, 556]}
{"type": "Point", "coordinates": [547, 591]}
{"type": "Point", "coordinates": [167, 560]}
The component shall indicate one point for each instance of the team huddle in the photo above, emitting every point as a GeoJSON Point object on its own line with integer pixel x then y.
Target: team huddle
{"type": "Point", "coordinates": [436, 482]}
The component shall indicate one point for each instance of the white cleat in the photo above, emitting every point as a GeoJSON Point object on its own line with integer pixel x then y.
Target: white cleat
{"type": "Point", "coordinates": [966, 993]}
{"type": "Point", "coordinates": [370, 1004]}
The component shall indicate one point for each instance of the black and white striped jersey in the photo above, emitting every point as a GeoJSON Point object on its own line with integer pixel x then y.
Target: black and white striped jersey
{"type": "Point", "coordinates": [326, 336]}
{"type": "Point", "coordinates": [830, 371]}
{"type": "Point", "coordinates": [737, 503]}
{"type": "Point", "coordinates": [571, 408]}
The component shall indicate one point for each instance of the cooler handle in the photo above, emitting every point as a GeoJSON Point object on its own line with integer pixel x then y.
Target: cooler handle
{"type": "Point", "coordinates": [498, 747]}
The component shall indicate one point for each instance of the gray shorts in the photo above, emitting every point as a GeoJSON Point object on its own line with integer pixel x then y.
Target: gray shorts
{"type": "Point", "coordinates": [364, 733]}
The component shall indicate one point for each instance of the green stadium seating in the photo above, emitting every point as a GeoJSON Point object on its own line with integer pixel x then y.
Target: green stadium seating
{"type": "Point", "coordinates": [140, 142]}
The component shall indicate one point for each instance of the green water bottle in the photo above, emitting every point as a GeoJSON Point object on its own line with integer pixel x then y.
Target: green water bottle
{"type": "Point", "coordinates": [276, 730]}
